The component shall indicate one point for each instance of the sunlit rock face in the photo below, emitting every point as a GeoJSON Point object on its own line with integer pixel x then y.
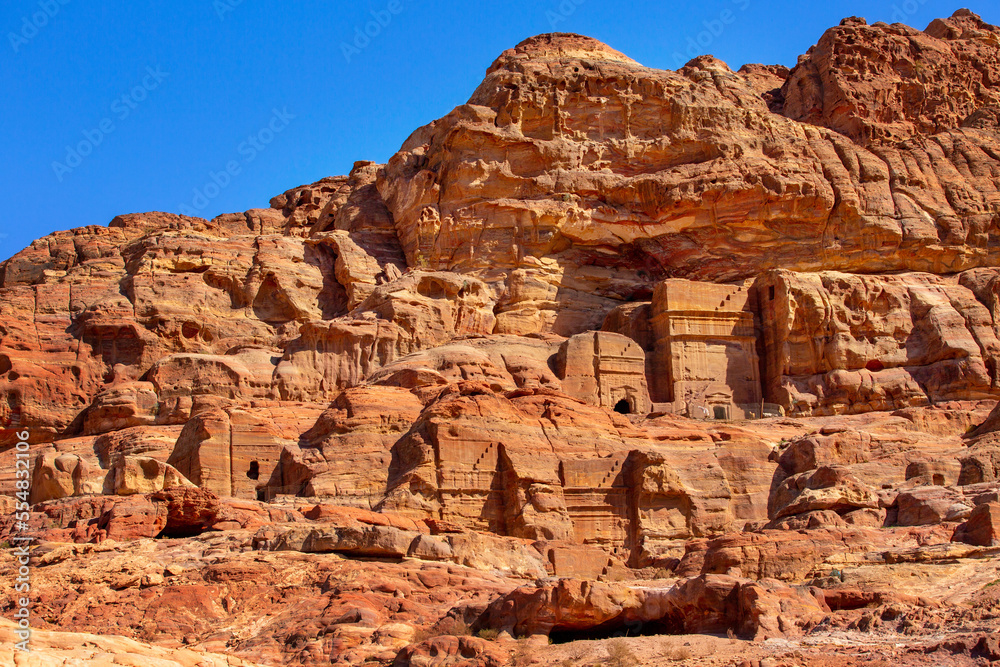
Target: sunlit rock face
{"type": "Point", "coordinates": [733, 334]}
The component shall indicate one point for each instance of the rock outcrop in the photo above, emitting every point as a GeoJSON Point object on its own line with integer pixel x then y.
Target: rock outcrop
{"type": "Point", "coordinates": [705, 604]}
{"type": "Point", "coordinates": [837, 343]}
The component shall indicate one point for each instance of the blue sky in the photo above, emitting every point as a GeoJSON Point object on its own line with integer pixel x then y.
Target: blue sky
{"type": "Point", "coordinates": [132, 105]}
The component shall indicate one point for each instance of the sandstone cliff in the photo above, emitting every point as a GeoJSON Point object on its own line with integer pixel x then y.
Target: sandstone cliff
{"type": "Point", "coordinates": [733, 334]}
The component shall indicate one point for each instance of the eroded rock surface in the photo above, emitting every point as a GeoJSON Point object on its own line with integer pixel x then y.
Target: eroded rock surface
{"type": "Point", "coordinates": [606, 350]}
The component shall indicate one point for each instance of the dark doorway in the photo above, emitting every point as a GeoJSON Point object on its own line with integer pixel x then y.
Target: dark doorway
{"type": "Point", "coordinates": [622, 407]}
{"type": "Point", "coordinates": [720, 412]}
{"type": "Point", "coordinates": [254, 471]}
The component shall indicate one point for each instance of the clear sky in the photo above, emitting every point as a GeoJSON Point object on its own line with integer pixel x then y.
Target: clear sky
{"type": "Point", "coordinates": [123, 106]}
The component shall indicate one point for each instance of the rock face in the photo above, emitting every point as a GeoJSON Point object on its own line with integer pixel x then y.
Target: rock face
{"type": "Point", "coordinates": [542, 466]}
{"type": "Point", "coordinates": [347, 453]}
{"type": "Point", "coordinates": [612, 166]}
{"type": "Point", "coordinates": [838, 343]}
{"type": "Point", "coordinates": [604, 347]}
{"type": "Point", "coordinates": [605, 369]}
{"type": "Point", "coordinates": [229, 452]}
{"type": "Point", "coordinates": [706, 604]}
{"type": "Point", "coordinates": [541, 212]}
{"type": "Point", "coordinates": [930, 81]}
{"type": "Point", "coordinates": [983, 526]}
{"type": "Point", "coordinates": [130, 475]}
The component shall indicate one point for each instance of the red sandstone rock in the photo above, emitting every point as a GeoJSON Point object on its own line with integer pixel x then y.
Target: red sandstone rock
{"type": "Point", "coordinates": [712, 603]}
{"type": "Point", "coordinates": [982, 527]}
{"type": "Point", "coordinates": [133, 518]}
{"type": "Point", "coordinates": [918, 84]}
{"type": "Point", "coordinates": [451, 651]}
{"type": "Point", "coordinates": [838, 343]}
{"type": "Point", "coordinates": [825, 488]}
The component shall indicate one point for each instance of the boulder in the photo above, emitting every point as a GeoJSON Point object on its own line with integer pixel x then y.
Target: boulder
{"type": "Point", "coordinates": [133, 518]}
{"type": "Point", "coordinates": [825, 488]}
{"type": "Point", "coordinates": [60, 475]}
{"type": "Point", "coordinates": [131, 475]}
{"type": "Point", "coordinates": [123, 405]}
{"type": "Point", "coordinates": [930, 505]}
{"type": "Point", "coordinates": [982, 527]}
{"type": "Point", "coordinates": [450, 650]}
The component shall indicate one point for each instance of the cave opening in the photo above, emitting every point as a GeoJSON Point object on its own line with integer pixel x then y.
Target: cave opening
{"type": "Point", "coordinates": [181, 524]}
{"type": "Point", "coordinates": [622, 407]}
{"type": "Point", "coordinates": [177, 530]}
{"type": "Point", "coordinates": [617, 627]}
{"type": "Point", "coordinates": [254, 471]}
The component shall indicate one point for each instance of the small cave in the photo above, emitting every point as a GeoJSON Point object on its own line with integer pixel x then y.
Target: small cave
{"type": "Point", "coordinates": [432, 288]}
{"type": "Point", "coordinates": [179, 526]}
{"type": "Point", "coordinates": [120, 345]}
{"type": "Point", "coordinates": [254, 471]}
{"type": "Point", "coordinates": [467, 289]}
{"type": "Point", "coordinates": [640, 293]}
{"type": "Point", "coordinates": [849, 600]}
{"type": "Point", "coordinates": [875, 366]}
{"type": "Point", "coordinates": [617, 627]}
{"type": "Point", "coordinates": [622, 407]}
